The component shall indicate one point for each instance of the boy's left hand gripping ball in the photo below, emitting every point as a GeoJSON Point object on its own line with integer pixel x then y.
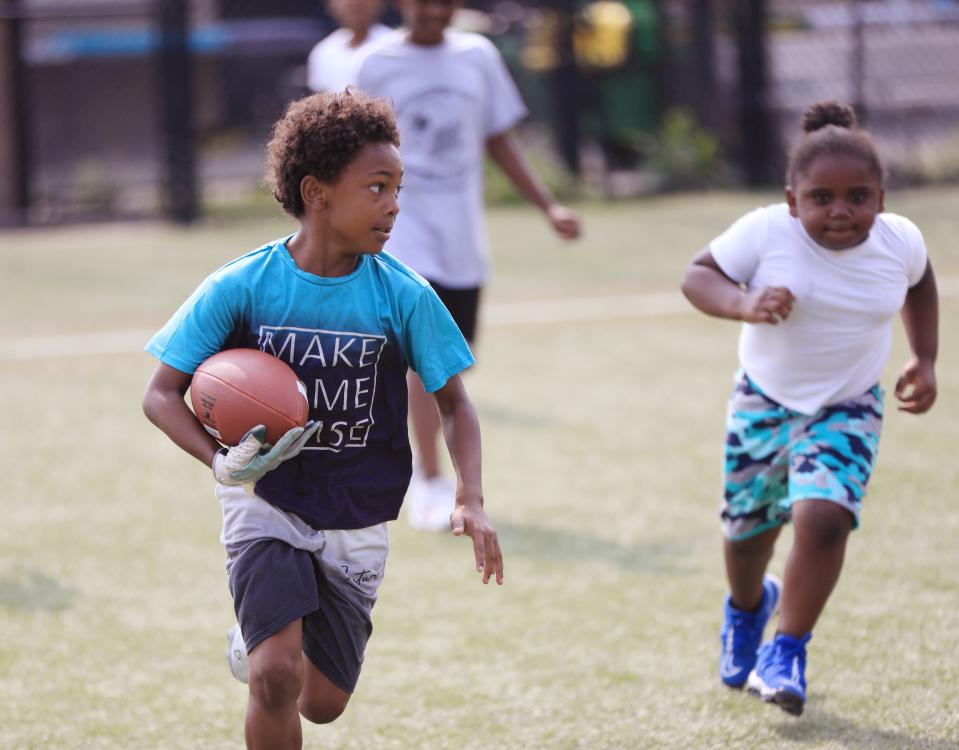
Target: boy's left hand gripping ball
{"type": "Point", "coordinates": [252, 458]}
{"type": "Point", "coordinates": [237, 389]}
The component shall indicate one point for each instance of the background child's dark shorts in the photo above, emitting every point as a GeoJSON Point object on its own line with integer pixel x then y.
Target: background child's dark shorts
{"type": "Point", "coordinates": [463, 305]}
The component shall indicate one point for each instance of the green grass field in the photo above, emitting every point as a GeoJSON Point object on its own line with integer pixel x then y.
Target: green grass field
{"type": "Point", "coordinates": [602, 443]}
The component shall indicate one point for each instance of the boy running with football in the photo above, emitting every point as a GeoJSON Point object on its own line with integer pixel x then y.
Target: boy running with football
{"type": "Point", "coordinates": [306, 549]}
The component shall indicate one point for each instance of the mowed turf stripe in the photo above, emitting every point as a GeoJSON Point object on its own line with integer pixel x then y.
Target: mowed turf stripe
{"type": "Point", "coordinates": [495, 315]}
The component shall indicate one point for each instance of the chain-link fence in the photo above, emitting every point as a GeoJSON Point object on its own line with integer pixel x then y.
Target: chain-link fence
{"type": "Point", "coordinates": [749, 68]}
{"type": "Point", "coordinates": [897, 61]}
{"type": "Point", "coordinates": [81, 124]}
{"type": "Point", "coordinates": [148, 107]}
{"type": "Point", "coordinates": [139, 107]}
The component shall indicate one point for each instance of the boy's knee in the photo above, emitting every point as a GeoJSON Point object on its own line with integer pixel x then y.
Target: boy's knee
{"type": "Point", "coordinates": [276, 682]}
{"type": "Point", "coordinates": [323, 709]}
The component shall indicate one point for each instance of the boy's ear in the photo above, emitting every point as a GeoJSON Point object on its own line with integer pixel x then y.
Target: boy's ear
{"type": "Point", "coordinates": [313, 192]}
{"type": "Point", "coordinates": [791, 202]}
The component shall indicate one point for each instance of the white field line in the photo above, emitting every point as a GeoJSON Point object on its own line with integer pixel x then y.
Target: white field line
{"type": "Point", "coordinates": [73, 345]}
{"type": "Point", "coordinates": [495, 315]}
{"type": "Point", "coordinates": [586, 309]}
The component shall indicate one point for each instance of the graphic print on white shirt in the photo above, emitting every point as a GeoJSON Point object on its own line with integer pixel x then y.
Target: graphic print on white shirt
{"type": "Point", "coordinates": [436, 126]}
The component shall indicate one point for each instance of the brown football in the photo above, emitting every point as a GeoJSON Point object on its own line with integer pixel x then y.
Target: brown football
{"type": "Point", "coordinates": [237, 389]}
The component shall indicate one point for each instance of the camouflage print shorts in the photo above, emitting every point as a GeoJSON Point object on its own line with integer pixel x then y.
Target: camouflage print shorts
{"type": "Point", "coordinates": [776, 456]}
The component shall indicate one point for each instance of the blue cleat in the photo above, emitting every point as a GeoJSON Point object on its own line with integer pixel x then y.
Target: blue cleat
{"type": "Point", "coordinates": [780, 673]}
{"type": "Point", "coordinates": [743, 632]}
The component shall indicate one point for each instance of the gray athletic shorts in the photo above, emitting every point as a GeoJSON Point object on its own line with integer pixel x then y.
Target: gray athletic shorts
{"type": "Point", "coordinates": [282, 570]}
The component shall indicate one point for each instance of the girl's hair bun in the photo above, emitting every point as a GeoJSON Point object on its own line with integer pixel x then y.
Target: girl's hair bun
{"type": "Point", "coordinates": [831, 129]}
{"type": "Point", "coordinates": [829, 112]}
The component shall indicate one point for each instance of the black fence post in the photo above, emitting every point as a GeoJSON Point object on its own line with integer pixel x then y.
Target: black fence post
{"type": "Point", "coordinates": [703, 53]}
{"type": "Point", "coordinates": [14, 111]}
{"type": "Point", "coordinates": [857, 60]}
{"type": "Point", "coordinates": [181, 201]}
{"type": "Point", "coordinates": [566, 88]}
{"type": "Point", "coordinates": [760, 160]}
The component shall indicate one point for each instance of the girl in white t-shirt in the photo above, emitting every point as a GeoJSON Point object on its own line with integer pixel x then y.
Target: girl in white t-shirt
{"type": "Point", "coordinates": [816, 281]}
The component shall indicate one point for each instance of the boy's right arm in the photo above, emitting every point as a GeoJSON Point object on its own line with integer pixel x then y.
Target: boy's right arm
{"type": "Point", "coordinates": [712, 291]}
{"type": "Point", "coordinates": [163, 404]}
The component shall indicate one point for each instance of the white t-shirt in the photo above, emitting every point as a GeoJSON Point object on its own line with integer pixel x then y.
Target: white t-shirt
{"type": "Point", "coordinates": [449, 99]}
{"type": "Point", "coordinates": [333, 63]}
{"type": "Point", "coordinates": [836, 342]}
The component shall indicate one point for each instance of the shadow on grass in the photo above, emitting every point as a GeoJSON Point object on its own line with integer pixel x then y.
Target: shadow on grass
{"type": "Point", "coordinates": [504, 414]}
{"type": "Point", "coordinates": [818, 727]}
{"type": "Point", "coordinates": [30, 591]}
{"type": "Point", "coordinates": [561, 546]}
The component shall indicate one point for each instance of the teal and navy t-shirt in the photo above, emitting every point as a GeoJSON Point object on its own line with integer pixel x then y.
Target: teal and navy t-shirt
{"type": "Point", "coordinates": [350, 340]}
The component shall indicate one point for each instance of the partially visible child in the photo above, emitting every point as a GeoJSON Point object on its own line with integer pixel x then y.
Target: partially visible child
{"type": "Point", "coordinates": [306, 548]}
{"type": "Point", "coordinates": [455, 103]}
{"type": "Point", "coordinates": [334, 61]}
{"type": "Point", "coordinates": [816, 281]}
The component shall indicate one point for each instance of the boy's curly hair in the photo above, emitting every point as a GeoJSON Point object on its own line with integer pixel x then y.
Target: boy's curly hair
{"type": "Point", "coordinates": [319, 136]}
{"type": "Point", "coordinates": [831, 127]}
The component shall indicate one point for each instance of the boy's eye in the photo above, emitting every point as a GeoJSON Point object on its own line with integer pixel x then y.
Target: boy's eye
{"type": "Point", "coordinates": [377, 188]}
{"type": "Point", "coordinates": [858, 197]}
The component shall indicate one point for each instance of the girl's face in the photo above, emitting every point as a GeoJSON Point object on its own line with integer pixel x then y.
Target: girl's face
{"type": "Point", "coordinates": [361, 206]}
{"type": "Point", "coordinates": [837, 200]}
{"type": "Point", "coordinates": [426, 20]}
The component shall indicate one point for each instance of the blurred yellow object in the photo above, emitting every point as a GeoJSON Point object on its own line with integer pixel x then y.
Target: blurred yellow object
{"type": "Point", "coordinates": [539, 52]}
{"type": "Point", "coordinates": [601, 39]}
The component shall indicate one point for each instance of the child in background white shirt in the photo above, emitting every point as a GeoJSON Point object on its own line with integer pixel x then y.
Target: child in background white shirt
{"type": "Point", "coordinates": [333, 62]}
{"type": "Point", "coordinates": [455, 103]}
